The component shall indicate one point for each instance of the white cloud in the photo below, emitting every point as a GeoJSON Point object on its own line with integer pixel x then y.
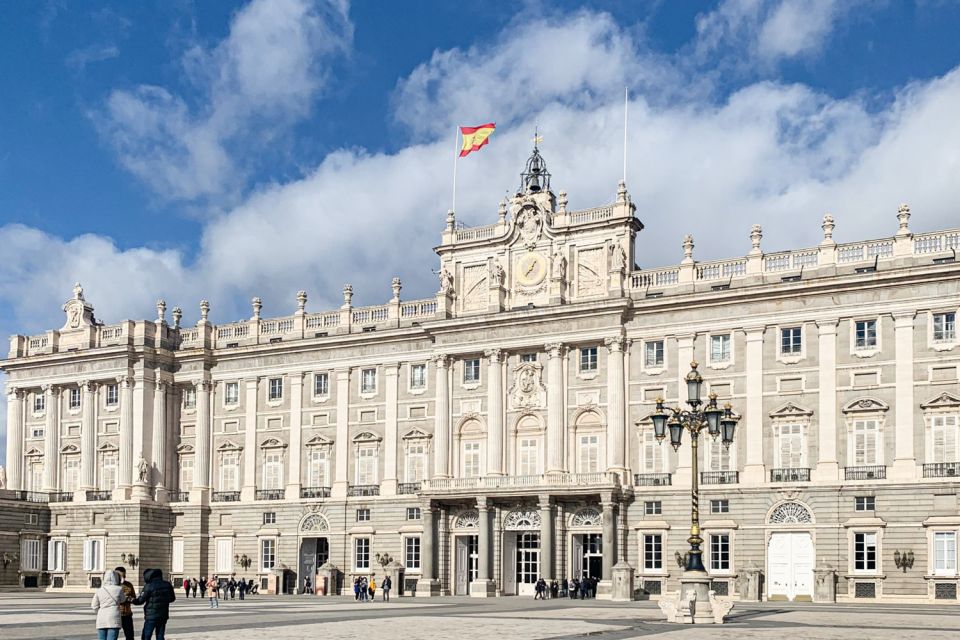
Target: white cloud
{"type": "Point", "coordinates": [262, 78]}
{"type": "Point", "coordinates": [80, 58]}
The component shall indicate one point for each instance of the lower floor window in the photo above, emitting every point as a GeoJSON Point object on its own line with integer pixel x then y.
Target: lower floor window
{"type": "Point", "coordinates": [720, 552]}
{"type": "Point", "coordinates": [268, 554]}
{"type": "Point", "coordinates": [93, 555]}
{"type": "Point", "coordinates": [411, 553]}
{"type": "Point", "coordinates": [653, 551]}
{"type": "Point", "coordinates": [865, 551]}
{"type": "Point", "coordinates": [945, 553]}
{"type": "Point", "coordinates": [30, 554]}
{"type": "Point", "coordinates": [361, 553]}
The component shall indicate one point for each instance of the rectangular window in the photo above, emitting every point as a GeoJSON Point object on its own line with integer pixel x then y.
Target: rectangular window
{"type": "Point", "coordinates": [367, 465]}
{"type": "Point", "coordinates": [93, 554]}
{"type": "Point", "coordinates": [318, 467]}
{"type": "Point", "coordinates": [652, 452]}
{"type": "Point", "coordinates": [652, 508]}
{"type": "Point", "coordinates": [471, 370]}
{"type": "Point", "coordinates": [720, 348]}
{"type": "Point", "coordinates": [865, 435]}
{"type": "Point", "coordinates": [273, 471]}
{"type": "Point", "coordinates": [186, 473]}
{"type": "Point", "coordinates": [471, 459]}
{"type": "Point", "coordinates": [30, 554]}
{"type": "Point", "coordinates": [37, 432]}
{"type": "Point", "coordinates": [363, 515]}
{"type": "Point", "coordinates": [653, 551]}
{"type": "Point", "coordinates": [528, 357]}
{"type": "Point", "coordinates": [231, 394]}
{"type": "Point", "coordinates": [719, 455]}
{"type": "Point", "coordinates": [321, 384]}
{"type": "Point", "coordinates": [275, 389]}
{"type": "Point", "coordinates": [864, 503]}
{"type": "Point", "coordinates": [57, 555]}
{"type": "Point", "coordinates": [368, 381]}
{"type": "Point", "coordinates": [720, 552]}
{"type": "Point", "coordinates": [269, 517]}
{"type": "Point", "coordinates": [719, 506]}
{"type": "Point", "coordinates": [413, 513]}
{"type": "Point", "coordinates": [865, 552]}
{"type": "Point", "coordinates": [411, 553]}
{"type": "Point", "coordinates": [589, 454]}
{"type": "Point", "coordinates": [74, 398]}
{"type": "Point", "coordinates": [71, 473]}
{"type": "Point", "coordinates": [943, 434]}
{"type": "Point", "coordinates": [945, 553]}
{"type": "Point", "coordinates": [229, 472]}
{"type": "Point", "coordinates": [945, 327]}
{"type": "Point", "coordinates": [361, 553]}
{"type": "Point", "coordinates": [268, 554]}
{"type": "Point", "coordinates": [653, 354]}
{"type": "Point", "coordinates": [418, 376]}
{"type": "Point", "coordinates": [528, 463]}
{"type": "Point", "coordinates": [39, 403]}
{"type": "Point", "coordinates": [865, 334]}
{"type": "Point", "coordinates": [790, 446]}
{"type": "Point", "coordinates": [176, 562]}
{"type": "Point", "coordinates": [791, 341]}
{"type": "Point", "coordinates": [416, 467]}
{"type": "Point", "coordinates": [224, 555]}
{"type": "Point", "coordinates": [113, 395]}
{"type": "Point", "coordinates": [588, 359]}
{"type": "Point", "coordinates": [189, 397]}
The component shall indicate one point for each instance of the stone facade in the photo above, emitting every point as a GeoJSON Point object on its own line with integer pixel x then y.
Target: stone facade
{"type": "Point", "coordinates": [500, 431]}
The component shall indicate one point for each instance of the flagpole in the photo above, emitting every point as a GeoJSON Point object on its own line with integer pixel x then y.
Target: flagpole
{"type": "Point", "coordinates": [456, 155]}
{"type": "Point", "coordinates": [626, 94]}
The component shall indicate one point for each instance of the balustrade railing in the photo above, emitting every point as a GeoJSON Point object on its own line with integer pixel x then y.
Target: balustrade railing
{"type": "Point", "coordinates": [371, 314]}
{"type": "Point", "coordinates": [30, 496]}
{"type": "Point", "coordinates": [418, 309]}
{"type": "Point", "coordinates": [323, 320]}
{"type": "Point", "coordinates": [875, 472]}
{"type": "Point", "coordinates": [601, 478]}
{"type": "Point", "coordinates": [596, 214]}
{"type": "Point", "coordinates": [469, 234]}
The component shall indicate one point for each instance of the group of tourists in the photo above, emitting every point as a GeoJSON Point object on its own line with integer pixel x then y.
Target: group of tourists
{"type": "Point", "coordinates": [215, 588]}
{"type": "Point", "coordinates": [583, 588]}
{"type": "Point", "coordinates": [366, 590]}
{"type": "Point", "coordinates": [114, 600]}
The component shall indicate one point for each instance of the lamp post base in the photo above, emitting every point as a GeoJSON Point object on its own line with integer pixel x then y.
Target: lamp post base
{"type": "Point", "coordinates": [695, 603]}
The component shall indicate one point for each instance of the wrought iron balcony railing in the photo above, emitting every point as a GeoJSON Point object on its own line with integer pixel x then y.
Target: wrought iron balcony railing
{"type": "Point", "coordinates": [100, 495]}
{"type": "Point", "coordinates": [269, 494]}
{"type": "Point", "coordinates": [652, 479]}
{"type": "Point", "coordinates": [314, 492]}
{"type": "Point", "coordinates": [30, 496]}
{"type": "Point", "coordinates": [363, 490]}
{"type": "Point", "coordinates": [790, 475]}
{"type": "Point", "coordinates": [61, 496]}
{"type": "Point", "coordinates": [941, 470]}
{"type": "Point", "coordinates": [875, 472]}
{"type": "Point", "coordinates": [225, 496]}
{"type": "Point", "coordinates": [719, 477]}
{"type": "Point", "coordinates": [179, 496]}
{"type": "Point", "coordinates": [408, 487]}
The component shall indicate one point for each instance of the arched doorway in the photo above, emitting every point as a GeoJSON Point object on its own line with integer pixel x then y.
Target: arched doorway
{"type": "Point", "coordinates": [521, 551]}
{"type": "Point", "coordinates": [586, 544]}
{"type": "Point", "coordinates": [314, 552]}
{"type": "Point", "coordinates": [466, 544]}
{"type": "Point", "coordinates": [790, 553]}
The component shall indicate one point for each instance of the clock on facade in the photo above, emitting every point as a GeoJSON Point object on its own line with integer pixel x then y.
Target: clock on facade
{"type": "Point", "coordinates": [531, 269]}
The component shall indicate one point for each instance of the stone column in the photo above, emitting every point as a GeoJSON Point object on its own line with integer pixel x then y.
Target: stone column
{"type": "Point", "coordinates": [616, 410]}
{"type": "Point", "coordinates": [88, 436]}
{"type": "Point", "coordinates": [904, 460]}
{"type": "Point", "coordinates": [681, 476]}
{"type": "Point", "coordinates": [202, 446]}
{"type": "Point", "coordinates": [441, 434]}
{"type": "Point", "coordinates": [427, 585]}
{"type": "Point", "coordinates": [15, 479]}
{"type": "Point", "coordinates": [294, 477]}
{"type": "Point", "coordinates": [828, 468]}
{"type": "Point", "coordinates": [555, 408]}
{"type": "Point", "coordinates": [754, 472]}
{"type": "Point", "coordinates": [342, 444]}
{"type": "Point", "coordinates": [494, 412]}
{"type": "Point", "coordinates": [158, 447]}
{"type": "Point", "coordinates": [546, 538]}
{"type": "Point", "coordinates": [51, 438]}
{"type": "Point", "coordinates": [138, 409]}
{"type": "Point", "coordinates": [125, 471]}
{"type": "Point", "coordinates": [483, 587]}
{"type": "Point", "coordinates": [609, 545]}
{"type": "Point", "coordinates": [392, 376]}
{"type": "Point", "coordinates": [249, 488]}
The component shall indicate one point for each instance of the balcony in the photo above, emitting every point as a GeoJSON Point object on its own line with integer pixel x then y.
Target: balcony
{"type": "Point", "coordinates": [363, 490]}
{"type": "Point", "coordinates": [61, 496]}
{"type": "Point", "coordinates": [28, 496]}
{"type": "Point", "coordinates": [269, 494]}
{"type": "Point", "coordinates": [652, 479]}
{"type": "Point", "coordinates": [314, 493]}
{"type": "Point", "coordinates": [405, 488]}
{"type": "Point", "coordinates": [865, 473]}
{"type": "Point", "coordinates": [789, 475]}
{"type": "Point", "coordinates": [941, 470]}
{"type": "Point", "coordinates": [225, 496]}
{"type": "Point", "coordinates": [99, 496]}
{"type": "Point", "coordinates": [719, 477]}
{"type": "Point", "coordinates": [510, 484]}
{"type": "Point", "coordinates": [179, 496]}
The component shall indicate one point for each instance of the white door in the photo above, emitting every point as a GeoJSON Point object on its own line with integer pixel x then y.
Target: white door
{"type": "Point", "coordinates": [462, 566]}
{"type": "Point", "coordinates": [576, 556]}
{"type": "Point", "coordinates": [790, 566]}
{"type": "Point", "coordinates": [509, 563]}
{"type": "Point", "coordinates": [528, 563]}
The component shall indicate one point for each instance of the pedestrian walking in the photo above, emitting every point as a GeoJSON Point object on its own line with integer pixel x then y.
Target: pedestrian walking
{"type": "Point", "coordinates": [242, 588]}
{"type": "Point", "coordinates": [186, 587]}
{"type": "Point", "coordinates": [194, 585]}
{"type": "Point", "coordinates": [584, 587]}
{"type": "Point", "coordinates": [106, 602]}
{"type": "Point", "coordinates": [564, 588]}
{"type": "Point", "coordinates": [232, 585]}
{"type": "Point", "coordinates": [554, 589]}
{"type": "Point", "coordinates": [212, 591]}
{"type": "Point", "coordinates": [203, 586]}
{"type": "Point", "coordinates": [156, 597]}
{"type": "Point", "coordinates": [126, 608]}
{"type": "Point", "coordinates": [356, 588]}
{"type": "Point", "coordinates": [385, 587]}
{"type": "Point", "coordinates": [574, 588]}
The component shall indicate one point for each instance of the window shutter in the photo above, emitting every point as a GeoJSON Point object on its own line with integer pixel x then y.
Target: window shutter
{"type": "Point", "coordinates": [87, 560]}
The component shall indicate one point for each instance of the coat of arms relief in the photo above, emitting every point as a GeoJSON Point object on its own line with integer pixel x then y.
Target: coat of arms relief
{"type": "Point", "coordinates": [528, 391]}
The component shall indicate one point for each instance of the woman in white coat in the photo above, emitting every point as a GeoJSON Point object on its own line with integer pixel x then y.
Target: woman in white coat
{"type": "Point", "coordinates": [106, 602]}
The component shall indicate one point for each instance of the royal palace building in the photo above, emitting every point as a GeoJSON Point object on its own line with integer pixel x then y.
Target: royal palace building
{"type": "Point", "coordinates": [501, 431]}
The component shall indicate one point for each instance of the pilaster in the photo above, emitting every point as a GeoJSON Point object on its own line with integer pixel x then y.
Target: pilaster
{"type": "Point", "coordinates": [905, 461]}
{"type": "Point", "coordinates": [391, 374]}
{"type": "Point", "coordinates": [441, 434]}
{"type": "Point", "coordinates": [754, 471]}
{"type": "Point", "coordinates": [494, 412]}
{"type": "Point", "coordinates": [158, 448]}
{"type": "Point", "coordinates": [15, 438]}
{"type": "Point", "coordinates": [681, 475]}
{"type": "Point", "coordinates": [555, 408]}
{"type": "Point", "coordinates": [201, 481]}
{"type": "Point", "coordinates": [51, 437]}
{"type": "Point", "coordinates": [342, 444]}
{"type": "Point", "coordinates": [294, 478]}
{"type": "Point", "coordinates": [249, 489]}
{"type": "Point", "coordinates": [616, 409]}
{"type": "Point", "coordinates": [828, 468]}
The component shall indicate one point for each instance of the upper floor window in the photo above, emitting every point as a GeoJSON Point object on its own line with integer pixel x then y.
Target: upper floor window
{"type": "Point", "coordinates": [321, 384]}
{"type": "Point", "coordinates": [318, 468]}
{"type": "Point", "coordinates": [269, 517]}
{"type": "Point", "coordinates": [588, 359]}
{"type": "Point", "coordinates": [413, 513]}
{"type": "Point", "coordinates": [653, 354]}
{"type": "Point", "coordinates": [189, 397]}
{"type": "Point", "coordinates": [866, 436]}
{"type": "Point", "coordinates": [528, 357]}
{"type": "Point", "coordinates": [366, 465]}
{"type": "Point", "coordinates": [789, 449]}
{"type": "Point", "coordinates": [113, 395]}
{"type": "Point", "coordinates": [368, 381]}
{"type": "Point", "coordinates": [945, 327]}
{"type": "Point", "coordinates": [416, 467]}
{"type": "Point", "coordinates": [273, 471]}
{"type": "Point", "coordinates": [943, 438]}
{"type": "Point", "coordinates": [528, 460]}
{"type": "Point", "coordinates": [720, 348]}
{"type": "Point", "coordinates": [418, 376]}
{"type": "Point", "coordinates": [589, 454]}
{"type": "Point", "coordinates": [471, 459]}
{"type": "Point", "coordinates": [865, 334]}
{"type": "Point", "coordinates": [39, 403]}
{"type": "Point", "coordinates": [471, 370]}
{"type": "Point", "coordinates": [652, 508]}
{"type": "Point", "coordinates": [865, 551]}
{"type": "Point", "coordinates": [720, 506]}
{"type": "Point", "coordinates": [363, 515]}
{"type": "Point", "coordinates": [74, 398]}
{"type": "Point", "coordinates": [651, 452]}
{"type": "Point", "coordinates": [791, 341]}
{"type": "Point", "coordinates": [864, 503]}
{"type": "Point", "coordinates": [231, 393]}
{"type": "Point", "coordinates": [229, 471]}
{"type": "Point", "coordinates": [275, 390]}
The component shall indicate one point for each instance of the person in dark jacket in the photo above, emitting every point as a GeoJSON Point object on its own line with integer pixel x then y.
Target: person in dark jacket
{"type": "Point", "coordinates": [242, 588]}
{"type": "Point", "coordinates": [126, 608]}
{"type": "Point", "coordinates": [156, 596]}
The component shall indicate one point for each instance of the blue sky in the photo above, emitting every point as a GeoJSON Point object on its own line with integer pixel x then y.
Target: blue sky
{"type": "Point", "coordinates": [217, 150]}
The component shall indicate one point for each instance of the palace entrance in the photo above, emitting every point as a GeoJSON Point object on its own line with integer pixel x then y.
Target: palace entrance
{"type": "Point", "coordinates": [314, 552]}
{"type": "Point", "coordinates": [466, 563]}
{"type": "Point", "coordinates": [586, 552]}
{"type": "Point", "coordinates": [790, 554]}
{"type": "Point", "coordinates": [521, 552]}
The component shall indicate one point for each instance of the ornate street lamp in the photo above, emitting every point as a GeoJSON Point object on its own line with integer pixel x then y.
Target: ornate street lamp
{"type": "Point", "coordinates": [717, 422]}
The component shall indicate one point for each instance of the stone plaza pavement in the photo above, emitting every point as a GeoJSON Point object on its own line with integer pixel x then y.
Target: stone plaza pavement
{"type": "Point", "coordinates": [63, 616]}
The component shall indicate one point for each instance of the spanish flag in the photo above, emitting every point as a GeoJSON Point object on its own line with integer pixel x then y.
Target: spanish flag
{"type": "Point", "coordinates": [475, 137]}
